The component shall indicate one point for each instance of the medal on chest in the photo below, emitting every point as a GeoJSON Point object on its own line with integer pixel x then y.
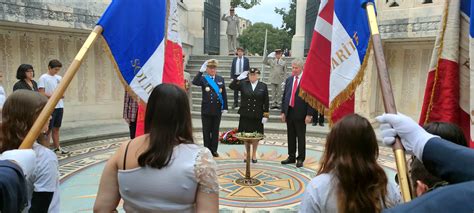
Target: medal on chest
{"type": "Point", "coordinates": [207, 89]}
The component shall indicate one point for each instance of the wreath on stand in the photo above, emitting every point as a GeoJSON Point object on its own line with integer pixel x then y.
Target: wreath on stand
{"type": "Point", "coordinates": [229, 137]}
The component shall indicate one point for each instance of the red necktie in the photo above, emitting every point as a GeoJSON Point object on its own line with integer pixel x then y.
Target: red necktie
{"type": "Point", "coordinates": [293, 92]}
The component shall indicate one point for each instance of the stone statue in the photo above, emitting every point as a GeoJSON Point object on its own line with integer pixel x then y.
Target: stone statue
{"type": "Point", "coordinates": [232, 30]}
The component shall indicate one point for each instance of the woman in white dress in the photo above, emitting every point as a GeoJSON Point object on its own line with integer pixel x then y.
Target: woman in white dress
{"type": "Point", "coordinates": [163, 170]}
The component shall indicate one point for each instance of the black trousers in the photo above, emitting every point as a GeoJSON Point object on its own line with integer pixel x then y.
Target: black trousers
{"type": "Point", "coordinates": [318, 118]}
{"type": "Point", "coordinates": [296, 133]}
{"type": "Point", "coordinates": [133, 128]}
{"type": "Point", "coordinates": [210, 130]}
{"type": "Point", "coordinates": [236, 94]}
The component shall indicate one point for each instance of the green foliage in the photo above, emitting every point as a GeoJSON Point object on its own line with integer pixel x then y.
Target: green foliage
{"type": "Point", "coordinates": [244, 4]}
{"type": "Point", "coordinates": [253, 38]}
{"type": "Point", "coordinates": [289, 18]}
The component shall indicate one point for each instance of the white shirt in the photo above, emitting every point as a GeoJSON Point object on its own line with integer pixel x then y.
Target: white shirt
{"type": "Point", "coordinates": [2, 97]}
{"type": "Point", "coordinates": [321, 195]}
{"type": "Point", "coordinates": [240, 66]}
{"type": "Point", "coordinates": [45, 177]}
{"type": "Point", "coordinates": [297, 84]}
{"type": "Point", "coordinates": [50, 83]}
{"type": "Point", "coordinates": [254, 85]}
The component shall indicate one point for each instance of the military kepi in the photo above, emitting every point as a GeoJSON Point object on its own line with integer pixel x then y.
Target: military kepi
{"type": "Point", "coordinates": [212, 63]}
{"type": "Point", "coordinates": [254, 70]}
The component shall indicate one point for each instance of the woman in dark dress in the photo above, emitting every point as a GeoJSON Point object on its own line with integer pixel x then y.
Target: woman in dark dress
{"type": "Point", "coordinates": [254, 104]}
{"type": "Point", "coordinates": [25, 75]}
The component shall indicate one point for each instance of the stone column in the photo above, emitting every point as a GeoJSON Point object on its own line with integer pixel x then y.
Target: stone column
{"type": "Point", "coordinates": [195, 25]}
{"type": "Point", "coordinates": [225, 7]}
{"type": "Point", "coordinates": [297, 43]}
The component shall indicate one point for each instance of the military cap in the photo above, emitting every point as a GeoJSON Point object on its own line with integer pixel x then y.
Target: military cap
{"type": "Point", "coordinates": [254, 70]}
{"type": "Point", "coordinates": [232, 9]}
{"type": "Point", "coordinates": [212, 63]}
{"type": "Point", "coordinates": [278, 51]}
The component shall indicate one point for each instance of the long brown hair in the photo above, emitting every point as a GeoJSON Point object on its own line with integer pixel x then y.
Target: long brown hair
{"type": "Point", "coordinates": [168, 121]}
{"type": "Point", "coordinates": [351, 156]}
{"type": "Point", "coordinates": [19, 113]}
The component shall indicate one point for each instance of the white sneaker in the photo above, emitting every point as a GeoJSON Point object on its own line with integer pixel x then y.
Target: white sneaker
{"type": "Point", "coordinates": [61, 150]}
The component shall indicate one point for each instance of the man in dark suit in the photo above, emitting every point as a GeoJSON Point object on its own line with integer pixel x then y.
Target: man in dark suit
{"type": "Point", "coordinates": [240, 64]}
{"type": "Point", "coordinates": [447, 160]}
{"type": "Point", "coordinates": [296, 113]}
{"type": "Point", "coordinates": [214, 103]}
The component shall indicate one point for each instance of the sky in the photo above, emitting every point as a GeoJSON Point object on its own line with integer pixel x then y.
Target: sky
{"type": "Point", "coordinates": [264, 12]}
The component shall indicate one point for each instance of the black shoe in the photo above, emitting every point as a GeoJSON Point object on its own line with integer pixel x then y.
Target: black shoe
{"type": "Point", "coordinates": [299, 164]}
{"type": "Point", "coordinates": [314, 124]}
{"type": "Point", "coordinates": [215, 154]}
{"type": "Point", "coordinates": [254, 161]}
{"type": "Point", "coordinates": [288, 161]}
{"type": "Point", "coordinates": [320, 124]}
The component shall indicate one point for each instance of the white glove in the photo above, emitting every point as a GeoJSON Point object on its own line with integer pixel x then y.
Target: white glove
{"type": "Point", "coordinates": [243, 75]}
{"type": "Point", "coordinates": [224, 111]}
{"type": "Point", "coordinates": [414, 137]}
{"type": "Point", "coordinates": [264, 120]}
{"type": "Point", "coordinates": [271, 55]}
{"type": "Point", "coordinates": [203, 67]}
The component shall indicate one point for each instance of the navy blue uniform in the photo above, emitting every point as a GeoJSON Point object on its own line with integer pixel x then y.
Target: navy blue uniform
{"type": "Point", "coordinates": [211, 109]}
{"type": "Point", "coordinates": [453, 163]}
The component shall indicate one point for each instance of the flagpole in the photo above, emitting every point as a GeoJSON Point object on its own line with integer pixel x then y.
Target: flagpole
{"type": "Point", "coordinates": [59, 92]}
{"type": "Point", "coordinates": [388, 100]}
{"type": "Point", "coordinates": [264, 52]}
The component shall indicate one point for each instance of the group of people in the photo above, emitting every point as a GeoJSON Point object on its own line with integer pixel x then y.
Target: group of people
{"type": "Point", "coordinates": [38, 177]}
{"type": "Point", "coordinates": [349, 179]}
{"type": "Point", "coordinates": [255, 104]}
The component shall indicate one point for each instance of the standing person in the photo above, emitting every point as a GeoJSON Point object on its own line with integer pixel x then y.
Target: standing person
{"type": "Point", "coordinates": [239, 65]}
{"type": "Point", "coordinates": [25, 75]}
{"type": "Point", "coordinates": [187, 84]}
{"type": "Point", "coordinates": [3, 95]}
{"type": "Point", "coordinates": [254, 112]}
{"type": "Point", "coordinates": [296, 113]}
{"type": "Point", "coordinates": [350, 179]}
{"type": "Point", "coordinates": [130, 111]}
{"type": "Point", "coordinates": [318, 118]}
{"type": "Point", "coordinates": [213, 105]}
{"type": "Point", "coordinates": [277, 76]}
{"type": "Point", "coordinates": [21, 109]}
{"type": "Point", "coordinates": [162, 170]}
{"type": "Point", "coordinates": [232, 30]}
{"type": "Point", "coordinates": [47, 84]}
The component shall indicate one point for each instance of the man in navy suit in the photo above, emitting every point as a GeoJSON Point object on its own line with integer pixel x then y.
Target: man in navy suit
{"type": "Point", "coordinates": [451, 162]}
{"type": "Point", "coordinates": [214, 103]}
{"type": "Point", "coordinates": [240, 64]}
{"type": "Point", "coordinates": [296, 113]}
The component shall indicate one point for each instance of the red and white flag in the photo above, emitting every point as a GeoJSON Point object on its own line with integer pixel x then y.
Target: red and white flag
{"type": "Point", "coordinates": [337, 57]}
{"type": "Point", "coordinates": [447, 93]}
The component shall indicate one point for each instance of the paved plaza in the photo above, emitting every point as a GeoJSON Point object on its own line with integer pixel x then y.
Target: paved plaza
{"type": "Point", "coordinates": [280, 189]}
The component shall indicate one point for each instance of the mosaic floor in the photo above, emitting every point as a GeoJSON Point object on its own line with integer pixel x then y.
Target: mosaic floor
{"type": "Point", "coordinates": [279, 188]}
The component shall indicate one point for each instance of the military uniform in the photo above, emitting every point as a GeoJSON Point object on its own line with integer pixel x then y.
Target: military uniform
{"type": "Point", "coordinates": [232, 31]}
{"type": "Point", "coordinates": [277, 76]}
{"type": "Point", "coordinates": [211, 109]}
{"type": "Point", "coordinates": [254, 106]}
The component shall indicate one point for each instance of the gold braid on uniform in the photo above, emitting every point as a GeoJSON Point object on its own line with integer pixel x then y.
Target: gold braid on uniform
{"type": "Point", "coordinates": [266, 114]}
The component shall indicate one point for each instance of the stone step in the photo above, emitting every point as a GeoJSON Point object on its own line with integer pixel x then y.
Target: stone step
{"type": "Point", "coordinates": [223, 57]}
{"type": "Point", "coordinates": [234, 116]}
{"type": "Point", "coordinates": [273, 112]}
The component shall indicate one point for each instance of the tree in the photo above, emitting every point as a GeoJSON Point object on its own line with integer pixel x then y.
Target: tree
{"type": "Point", "coordinates": [289, 17]}
{"type": "Point", "coordinates": [244, 4]}
{"type": "Point", "coordinates": [253, 38]}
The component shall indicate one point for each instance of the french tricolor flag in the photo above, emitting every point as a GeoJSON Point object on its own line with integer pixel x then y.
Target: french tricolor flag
{"type": "Point", "coordinates": [337, 57]}
{"type": "Point", "coordinates": [447, 94]}
{"type": "Point", "coordinates": [143, 41]}
{"type": "Point", "coordinates": [142, 38]}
